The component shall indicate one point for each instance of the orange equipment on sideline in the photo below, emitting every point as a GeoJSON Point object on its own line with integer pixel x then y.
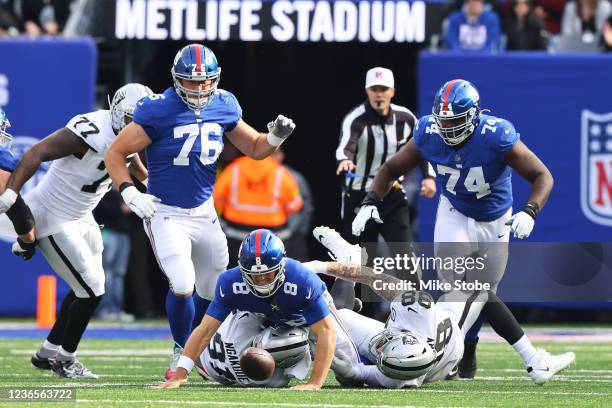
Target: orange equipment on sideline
{"type": "Point", "coordinates": [45, 308]}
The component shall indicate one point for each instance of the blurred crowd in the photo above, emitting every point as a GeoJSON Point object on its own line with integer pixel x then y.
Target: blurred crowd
{"type": "Point", "coordinates": [526, 25]}
{"type": "Point", "coordinates": [469, 25]}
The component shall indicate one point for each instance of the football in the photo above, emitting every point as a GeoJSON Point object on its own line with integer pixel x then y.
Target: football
{"type": "Point", "coordinates": [257, 363]}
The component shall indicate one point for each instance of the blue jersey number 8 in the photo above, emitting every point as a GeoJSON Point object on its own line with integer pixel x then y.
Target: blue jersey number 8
{"type": "Point", "coordinates": [211, 148]}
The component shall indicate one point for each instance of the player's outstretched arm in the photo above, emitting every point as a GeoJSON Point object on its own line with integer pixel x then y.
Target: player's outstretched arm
{"type": "Point", "coordinates": [326, 344]}
{"type": "Point", "coordinates": [401, 163]}
{"type": "Point", "coordinates": [379, 282]}
{"type": "Point", "coordinates": [258, 145]}
{"type": "Point", "coordinates": [132, 139]}
{"type": "Point", "coordinates": [531, 168]}
{"type": "Point", "coordinates": [197, 342]}
{"type": "Point", "coordinates": [61, 143]}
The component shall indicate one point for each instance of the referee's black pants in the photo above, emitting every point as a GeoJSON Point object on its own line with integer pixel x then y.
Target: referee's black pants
{"type": "Point", "coordinates": [394, 212]}
{"type": "Point", "coordinates": [395, 229]}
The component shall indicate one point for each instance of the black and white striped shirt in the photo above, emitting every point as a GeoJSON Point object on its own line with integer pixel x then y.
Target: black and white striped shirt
{"type": "Point", "coordinates": [369, 139]}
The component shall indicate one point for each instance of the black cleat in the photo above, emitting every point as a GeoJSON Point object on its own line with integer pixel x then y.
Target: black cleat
{"type": "Point", "coordinates": [467, 365]}
{"type": "Point", "coordinates": [39, 362]}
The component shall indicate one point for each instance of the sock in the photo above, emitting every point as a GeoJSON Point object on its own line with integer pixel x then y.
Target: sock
{"type": "Point", "coordinates": [343, 294]}
{"type": "Point", "coordinates": [502, 320]}
{"type": "Point", "coordinates": [472, 334]}
{"type": "Point", "coordinates": [56, 335]}
{"type": "Point", "coordinates": [201, 305]}
{"type": "Point", "coordinates": [525, 349]}
{"type": "Point", "coordinates": [180, 311]}
{"type": "Point", "coordinates": [48, 350]}
{"type": "Point", "coordinates": [79, 314]}
{"type": "Point", "coordinates": [63, 355]}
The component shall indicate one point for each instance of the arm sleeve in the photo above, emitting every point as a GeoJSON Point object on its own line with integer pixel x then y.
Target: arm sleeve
{"type": "Point", "coordinates": [351, 129]}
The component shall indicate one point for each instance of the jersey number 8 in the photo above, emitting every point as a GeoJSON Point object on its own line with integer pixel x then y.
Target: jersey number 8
{"type": "Point", "coordinates": [211, 147]}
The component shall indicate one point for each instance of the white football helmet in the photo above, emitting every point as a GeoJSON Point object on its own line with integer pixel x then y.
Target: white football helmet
{"type": "Point", "coordinates": [124, 102]}
{"type": "Point", "coordinates": [402, 355]}
{"type": "Point", "coordinates": [288, 345]}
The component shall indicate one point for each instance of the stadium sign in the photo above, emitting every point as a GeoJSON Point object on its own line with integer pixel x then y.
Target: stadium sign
{"type": "Point", "coordinates": [251, 20]}
{"type": "Point", "coordinates": [596, 167]}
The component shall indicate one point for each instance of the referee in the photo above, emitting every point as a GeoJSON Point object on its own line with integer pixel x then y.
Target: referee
{"type": "Point", "coordinates": [372, 132]}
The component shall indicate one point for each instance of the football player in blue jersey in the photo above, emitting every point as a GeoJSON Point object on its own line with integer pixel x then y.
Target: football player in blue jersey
{"type": "Point", "coordinates": [282, 290]}
{"type": "Point", "coordinates": [473, 155]}
{"type": "Point", "coordinates": [19, 213]}
{"type": "Point", "coordinates": [182, 132]}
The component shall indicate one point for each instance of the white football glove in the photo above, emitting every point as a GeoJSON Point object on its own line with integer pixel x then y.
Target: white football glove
{"type": "Point", "coordinates": [364, 215]}
{"type": "Point", "coordinates": [279, 130]}
{"type": "Point", "coordinates": [143, 205]}
{"type": "Point", "coordinates": [521, 224]}
{"type": "Point", "coordinates": [7, 199]}
{"type": "Point", "coordinates": [343, 367]}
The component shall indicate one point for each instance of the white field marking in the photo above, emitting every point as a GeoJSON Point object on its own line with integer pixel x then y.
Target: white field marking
{"type": "Point", "coordinates": [241, 403]}
{"type": "Point", "coordinates": [125, 358]}
{"type": "Point", "coordinates": [111, 352]}
{"type": "Point", "coordinates": [114, 367]}
{"type": "Point", "coordinates": [557, 377]}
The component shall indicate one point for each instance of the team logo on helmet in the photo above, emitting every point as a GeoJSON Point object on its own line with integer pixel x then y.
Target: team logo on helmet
{"type": "Point", "coordinates": [596, 167]}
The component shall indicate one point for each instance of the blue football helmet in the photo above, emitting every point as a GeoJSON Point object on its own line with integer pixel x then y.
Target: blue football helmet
{"type": "Point", "coordinates": [262, 252]}
{"type": "Point", "coordinates": [5, 137]}
{"type": "Point", "coordinates": [456, 110]}
{"type": "Point", "coordinates": [196, 62]}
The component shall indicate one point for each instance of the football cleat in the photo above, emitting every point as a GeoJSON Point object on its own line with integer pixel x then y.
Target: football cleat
{"type": "Point", "coordinates": [71, 369]}
{"type": "Point", "coordinates": [544, 365]}
{"type": "Point", "coordinates": [176, 354]}
{"type": "Point", "coordinates": [339, 249]}
{"type": "Point", "coordinates": [39, 362]}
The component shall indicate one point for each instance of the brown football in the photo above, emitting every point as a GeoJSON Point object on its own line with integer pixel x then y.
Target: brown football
{"type": "Point", "coordinates": [257, 363]}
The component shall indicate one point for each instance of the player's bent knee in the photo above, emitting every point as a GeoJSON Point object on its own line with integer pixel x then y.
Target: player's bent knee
{"type": "Point", "coordinates": [182, 293]}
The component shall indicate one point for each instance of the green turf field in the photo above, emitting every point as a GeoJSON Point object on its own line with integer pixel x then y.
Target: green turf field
{"type": "Point", "coordinates": [129, 369]}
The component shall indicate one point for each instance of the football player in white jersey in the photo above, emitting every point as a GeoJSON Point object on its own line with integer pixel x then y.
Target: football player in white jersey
{"type": "Point", "coordinates": [66, 231]}
{"type": "Point", "coordinates": [289, 347]}
{"type": "Point", "coordinates": [422, 341]}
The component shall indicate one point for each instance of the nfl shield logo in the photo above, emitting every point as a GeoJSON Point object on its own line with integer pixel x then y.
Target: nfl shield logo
{"type": "Point", "coordinates": [596, 167]}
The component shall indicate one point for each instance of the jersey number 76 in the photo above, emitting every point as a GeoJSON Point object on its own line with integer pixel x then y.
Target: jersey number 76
{"type": "Point", "coordinates": [210, 136]}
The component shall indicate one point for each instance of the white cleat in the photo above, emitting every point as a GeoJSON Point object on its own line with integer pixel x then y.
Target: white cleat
{"type": "Point", "coordinates": [544, 365]}
{"type": "Point", "coordinates": [177, 351]}
{"type": "Point", "coordinates": [339, 249]}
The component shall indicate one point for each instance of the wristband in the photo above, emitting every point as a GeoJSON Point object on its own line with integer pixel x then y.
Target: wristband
{"type": "Point", "coordinates": [125, 185]}
{"type": "Point", "coordinates": [274, 140]}
{"type": "Point", "coordinates": [371, 199]}
{"type": "Point", "coordinates": [532, 209]}
{"type": "Point", "coordinates": [26, 245]}
{"type": "Point", "coordinates": [186, 363]}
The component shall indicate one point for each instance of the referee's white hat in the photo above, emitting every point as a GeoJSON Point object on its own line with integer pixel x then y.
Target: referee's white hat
{"type": "Point", "coordinates": [380, 76]}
